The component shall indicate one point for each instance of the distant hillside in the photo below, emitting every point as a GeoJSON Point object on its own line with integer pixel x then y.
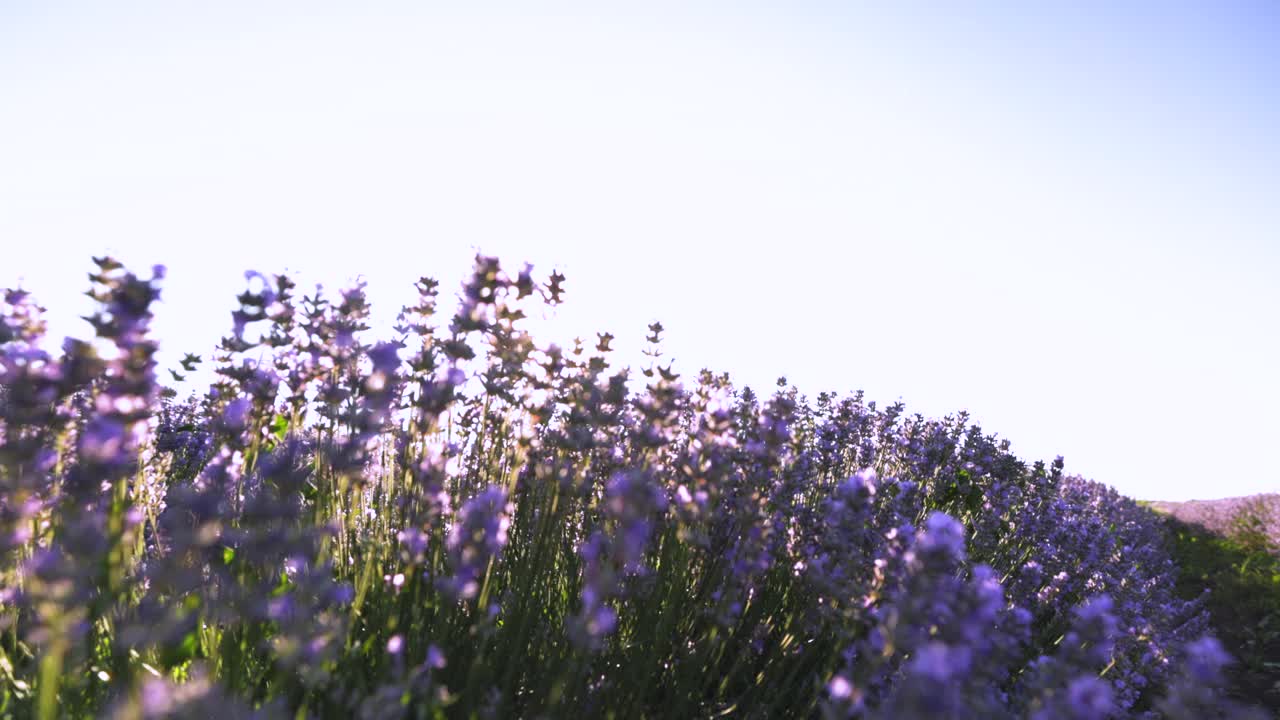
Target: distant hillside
{"type": "Point", "coordinates": [1232, 548]}
{"type": "Point", "coordinates": [1225, 516]}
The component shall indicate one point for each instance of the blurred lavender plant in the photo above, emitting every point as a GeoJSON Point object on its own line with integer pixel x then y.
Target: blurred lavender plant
{"type": "Point", "coordinates": [458, 521]}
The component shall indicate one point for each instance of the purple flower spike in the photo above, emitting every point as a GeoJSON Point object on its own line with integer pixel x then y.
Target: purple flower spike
{"type": "Point", "coordinates": [478, 535]}
{"type": "Point", "coordinates": [1089, 698]}
{"type": "Point", "coordinates": [943, 536]}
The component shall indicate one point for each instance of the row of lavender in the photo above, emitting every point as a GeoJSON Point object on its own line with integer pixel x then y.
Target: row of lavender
{"type": "Point", "coordinates": [461, 523]}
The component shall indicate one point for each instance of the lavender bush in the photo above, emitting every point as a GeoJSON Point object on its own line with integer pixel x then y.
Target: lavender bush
{"type": "Point", "coordinates": [459, 522]}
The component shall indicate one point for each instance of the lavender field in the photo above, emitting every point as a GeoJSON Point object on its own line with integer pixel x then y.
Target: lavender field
{"type": "Point", "coordinates": [460, 522]}
{"type": "Point", "coordinates": [1225, 516]}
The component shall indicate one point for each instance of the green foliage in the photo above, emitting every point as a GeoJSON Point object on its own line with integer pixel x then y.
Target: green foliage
{"type": "Point", "coordinates": [1241, 572]}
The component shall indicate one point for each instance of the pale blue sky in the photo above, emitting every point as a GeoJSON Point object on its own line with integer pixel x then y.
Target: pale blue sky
{"type": "Point", "coordinates": [1066, 221]}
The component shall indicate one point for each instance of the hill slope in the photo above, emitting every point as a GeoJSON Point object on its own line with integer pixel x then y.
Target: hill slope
{"type": "Point", "coordinates": [1231, 549]}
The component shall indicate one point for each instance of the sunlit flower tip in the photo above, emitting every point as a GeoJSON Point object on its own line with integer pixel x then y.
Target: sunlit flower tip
{"type": "Point", "coordinates": [413, 539]}
{"type": "Point", "coordinates": [864, 481]}
{"type": "Point", "coordinates": [133, 517]}
{"type": "Point", "coordinates": [20, 535]}
{"type": "Point", "coordinates": [683, 496]}
{"type": "Point", "coordinates": [32, 506]}
{"type": "Point", "coordinates": [395, 644]}
{"type": "Point", "coordinates": [397, 580]}
{"type": "Point", "coordinates": [839, 688]}
{"type": "Point", "coordinates": [435, 657]}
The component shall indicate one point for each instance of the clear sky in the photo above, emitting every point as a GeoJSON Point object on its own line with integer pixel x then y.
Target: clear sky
{"type": "Point", "coordinates": [1065, 220]}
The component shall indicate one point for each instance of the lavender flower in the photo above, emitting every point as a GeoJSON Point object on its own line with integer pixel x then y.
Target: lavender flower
{"type": "Point", "coordinates": [477, 537]}
{"type": "Point", "coordinates": [339, 515]}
